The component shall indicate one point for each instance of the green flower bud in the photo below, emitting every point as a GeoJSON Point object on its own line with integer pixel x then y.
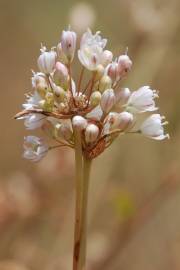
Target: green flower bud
{"type": "Point", "coordinates": [99, 72]}
{"type": "Point", "coordinates": [105, 83]}
{"type": "Point", "coordinates": [95, 98]}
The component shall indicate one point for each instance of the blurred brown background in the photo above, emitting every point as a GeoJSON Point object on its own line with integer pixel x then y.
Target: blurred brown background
{"type": "Point", "coordinates": [134, 215]}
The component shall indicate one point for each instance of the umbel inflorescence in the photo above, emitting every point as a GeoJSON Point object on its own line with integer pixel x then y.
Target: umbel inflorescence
{"type": "Point", "coordinates": [99, 108]}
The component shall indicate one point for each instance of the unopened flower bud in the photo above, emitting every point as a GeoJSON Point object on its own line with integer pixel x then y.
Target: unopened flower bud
{"type": "Point", "coordinates": [60, 74]}
{"type": "Point", "coordinates": [105, 83]}
{"type": "Point", "coordinates": [46, 61]}
{"type": "Point", "coordinates": [68, 43]}
{"type": "Point", "coordinates": [124, 64]}
{"type": "Point", "coordinates": [125, 120]}
{"type": "Point", "coordinates": [122, 95]}
{"type": "Point", "coordinates": [64, 130]}
{"type": "Point", "coordinates": [112, 71]}
{"type": "Point", "coordinates": [107, 57]}
{"type": "Point", "coordinates": [108, 100]}
{"type": "Point", "coordinates": [95, 98]}
{"type": "Point", "coordinates": [91, 133]}
{"type": "Point", "coordinates": [112, 119]}
{"type": "Point", "coordinates": [79, 122]}
{"type": "Point", "coordinates": [99, 72]}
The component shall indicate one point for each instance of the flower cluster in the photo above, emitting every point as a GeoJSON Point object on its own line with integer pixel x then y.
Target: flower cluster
{"type": "Point", "coordinates": [100, 108]}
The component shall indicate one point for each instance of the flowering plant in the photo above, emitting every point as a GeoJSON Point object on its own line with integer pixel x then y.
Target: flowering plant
{"type": "Point", "coordinates": [86, 118]}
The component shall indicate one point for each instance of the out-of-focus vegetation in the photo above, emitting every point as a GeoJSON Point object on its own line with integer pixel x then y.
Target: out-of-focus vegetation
{"type": "Point", "coordinates": [134, 199]}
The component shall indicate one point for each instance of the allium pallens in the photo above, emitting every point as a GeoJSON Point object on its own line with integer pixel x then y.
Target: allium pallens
{"type": "Point", "coordinates": [99, 108]}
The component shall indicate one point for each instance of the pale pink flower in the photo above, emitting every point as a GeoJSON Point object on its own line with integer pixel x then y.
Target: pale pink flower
{"type": "Point", "coordinates": [142, 100]}
{"type": "Point", "coordinates": [34, 148]}
{"type": "Point", "coordinates": [153, 127]}
{"type": "Point", "coordinates": [91, 50]}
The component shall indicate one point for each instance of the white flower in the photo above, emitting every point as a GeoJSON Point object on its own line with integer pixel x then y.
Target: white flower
{"type": "Point", "coordinates": [32, 101]}
{"type": "Point", "coordinates": [91, 50]}
{"type": "Point", "coordinates": [142, 100]}
{"type": "Point", "coordinates": [34, 120]}
{"type": "Point", "coordinates": [34, 148]}
{"type": "Point", "coordinates": [46, 61]}
{"type": "Point", "coordinates": [153, 127]}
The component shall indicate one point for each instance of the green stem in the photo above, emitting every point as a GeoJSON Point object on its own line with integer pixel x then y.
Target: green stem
{"type": "Point", "coordinates": [86, 176]}
{"type": "Point", "coordinates": [83, 166]}
{"type": "Point", "coordinates": [79, 197]}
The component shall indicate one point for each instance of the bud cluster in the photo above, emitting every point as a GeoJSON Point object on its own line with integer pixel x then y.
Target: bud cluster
{"type": "Point", "coordinates": [99, 109]}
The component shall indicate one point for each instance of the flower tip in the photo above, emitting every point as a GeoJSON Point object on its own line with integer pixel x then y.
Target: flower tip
{"type": "Point", "coordinates": [43, 48]}
{"type": "Point", "coordinates": [126, 51]}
